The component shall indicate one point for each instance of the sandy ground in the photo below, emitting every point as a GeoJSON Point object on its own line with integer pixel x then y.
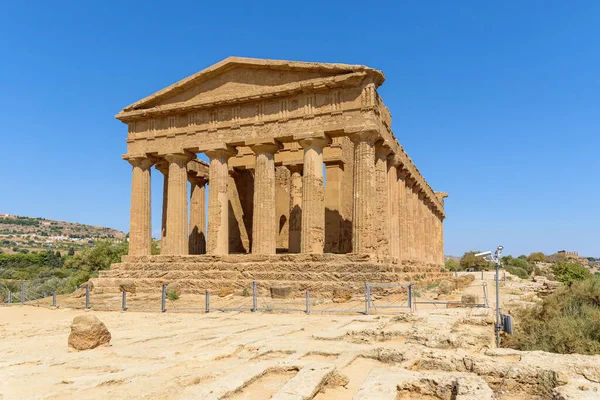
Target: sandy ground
{"type": "Point", "coordinates": [242, 355]}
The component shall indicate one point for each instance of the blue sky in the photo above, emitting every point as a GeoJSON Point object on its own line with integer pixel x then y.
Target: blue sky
{"type": "Point", "coordinates": [498, 103]}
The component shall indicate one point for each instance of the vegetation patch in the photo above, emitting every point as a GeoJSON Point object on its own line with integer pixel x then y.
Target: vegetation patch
{"type": "Point", "coordinates": [567, 321]}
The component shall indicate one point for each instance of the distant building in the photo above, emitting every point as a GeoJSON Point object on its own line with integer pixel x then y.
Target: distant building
{"type": "Point", "coordinates": [573, 255]}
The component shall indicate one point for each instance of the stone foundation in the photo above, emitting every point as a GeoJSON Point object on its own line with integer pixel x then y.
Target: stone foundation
{"type": "Point", "coordinates": [318, 273]}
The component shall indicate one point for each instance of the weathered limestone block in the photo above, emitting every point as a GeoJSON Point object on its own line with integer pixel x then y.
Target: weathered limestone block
{"type": "Point", "coordinates": [446, 287]}
{"type": "Point", "coordinates": [128, 286]}
{"type": "Point", "coordinates": [469, 299]}
{"type": "Point", "coordinates": [88, 332]}
{"type": "Point", "coordinates": [280, 292]}
{"type": "Point", "coordinates": [341, 296]}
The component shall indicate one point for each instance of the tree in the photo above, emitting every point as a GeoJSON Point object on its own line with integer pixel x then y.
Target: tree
{"type": "Point", "coordinates": [536, 257]}
{"type": "Point", "coordinates": [470, 261]}
{"type": "Point", "coordinates": [567, 272]}
{"type": "Point", "coordinates": [452, 265]}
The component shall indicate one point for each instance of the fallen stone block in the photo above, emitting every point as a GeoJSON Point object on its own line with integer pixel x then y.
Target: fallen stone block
{"type": "Point", "coordinates": [88, 332]}
{"type": "Point", "coordinates": [281, 292]}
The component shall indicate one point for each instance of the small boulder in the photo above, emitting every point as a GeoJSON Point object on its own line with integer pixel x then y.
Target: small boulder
{"type": "Point", "coordinates": [341, 296]}
{"type": "Point", "coordinates": [469, 300]}
{"type": "Point", "coordinates": [463, 280]}
{"type": "Point", "coordinates": [281, 292]}
{"type": "Point", "coordinates": [445, 287]}
{"type": "Point", "coordinates": [226, 291]}
{"type": "Point", "coordinates": [88, 332]}
{"type": "Point", "coordinates": [128, 286]}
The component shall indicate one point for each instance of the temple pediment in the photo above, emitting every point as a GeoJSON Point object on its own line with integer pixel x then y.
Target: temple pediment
{"type": "Point", "coordinates": [238, 79]}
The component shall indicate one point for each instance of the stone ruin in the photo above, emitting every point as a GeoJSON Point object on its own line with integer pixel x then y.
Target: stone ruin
{"type": "Point", "coordinates": [307, 185]}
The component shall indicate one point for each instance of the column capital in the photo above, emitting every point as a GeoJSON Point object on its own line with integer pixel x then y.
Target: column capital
{"type": "Point", "coordinates": [163, 166]}
{"type": "Point", "coordinates": [294, 168]}
{"type": "Point", "coordinates": [139, 160]}
{"type": "Point", "coordinates": [369, 136]}
{"type": "Point", "coordinates": [196, 179]}
{"type": "Point", "coordinates": [221, 150]}
{"type": "Point", "coordinates": [270, 148]}
{"type": "Point", "coordinates": [410, 181]}
{"type": "Point", "coordinates": [310, 139]}
{"type": "Point", "coordinates": [382, 149]}
{"type": "Point", "coordinates": [395, 161]}
{"type": "Point", "coordinates": [180, 158]}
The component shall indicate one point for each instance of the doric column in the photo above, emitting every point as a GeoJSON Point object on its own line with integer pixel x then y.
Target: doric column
{"type": "Point", "coordinates": [140, 230]}
{"type": "Point", "coordinates": [295, 208]}
{"type": "Point", "coordinates": [441, 239]}
{"type": "Point", "coordinates": [422, 253]}
{"type": "Point", "coordinates": [333, 207]}
{"type": "Point", "coordinates": [410, 218]}
{"type": "Point", "coordinates": [197, 241]}
{"type": "Point", "coordinates": [163, 167]}
{"type": "Point", "coordinates": [264, 223]}
{"type": "Point", "coordinates": [218, 201]}
{"type": "Point", "coordinates": [177, 205]}
{"type": "Point", "coordinates": [403, 217]}
{"type": "Point", "coordinates": [312, 238]}
{"type": "Point", "coordinates": [428, 232]}
{"type": "Point", "coordinates": [393, 207]}
{"type": "Point", "coordinates": [382, 211]}
{"type": "Point", "coordinates": [364, 188]}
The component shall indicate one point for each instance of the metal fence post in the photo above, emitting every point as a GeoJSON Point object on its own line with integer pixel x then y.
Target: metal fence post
{"type": "Point", "coordinates": [87, 297]}
{"type": "Point", "coordinates": [410, 297]}
{"type": "Point", "coordinates": [481, 275]}
{"type": "Point", "coordinates": [308, 302]}
{"type": "Point", "coordinates": [367, 298]}
{"type": "Point", "coordinates": [22, 292]}
{"type": "Point", "coordinates": [45, 295]}
{"type": "Point", "coordinates": [504, 277]}
{"type": "Point", "coordinates": [124, 301]}
{"type": "Point", "coordinates": [163, 298]}
{"type": "Point", "coordinates": [207, 301]}
{"type": "Point", "coordinates": [254, 299]}
{"type": "Point", "coordinates": [54, 299]}
{"type": "Point", "coordinates": [9, 297]}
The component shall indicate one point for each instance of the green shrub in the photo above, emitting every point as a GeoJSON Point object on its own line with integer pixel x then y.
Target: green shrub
{"type": "Point", "coordinates": [469, 260]}
{"type": "Point", "coordinates": [520, 272]}
{"type": "Point", "coordinates": [537, 257]}
{"type": "Point", "coordinates": [173, 295]}
{"type": "Point", "coordinates": [566, 272]}
{"type": "Point", "coordinates": [567, 321]}
{"type": "Point", "coordinates": [452, 265]}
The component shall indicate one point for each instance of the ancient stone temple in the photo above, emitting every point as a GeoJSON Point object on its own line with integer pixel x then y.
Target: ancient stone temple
{"type": "Point", "coordinates": [306, 183]}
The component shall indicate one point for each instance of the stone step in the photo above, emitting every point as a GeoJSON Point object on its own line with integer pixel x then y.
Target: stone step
{"type": "Point", "coordinates": [199, 286]}
{"type": "Point", "coordinates": [272, 267]}
{"type": "Point", "coordinates": [258, 276]}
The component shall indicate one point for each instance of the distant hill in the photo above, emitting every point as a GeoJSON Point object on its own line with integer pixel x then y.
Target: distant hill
{"type": "Point", "coordinates": [20, 234]}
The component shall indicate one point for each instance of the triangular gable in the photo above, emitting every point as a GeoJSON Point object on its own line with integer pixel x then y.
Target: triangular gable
{"type": "Point", "coordinates": [237, 77]}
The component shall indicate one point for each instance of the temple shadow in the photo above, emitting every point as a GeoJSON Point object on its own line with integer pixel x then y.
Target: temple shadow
{"type": "Point", "coordinates": [338, 233]}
